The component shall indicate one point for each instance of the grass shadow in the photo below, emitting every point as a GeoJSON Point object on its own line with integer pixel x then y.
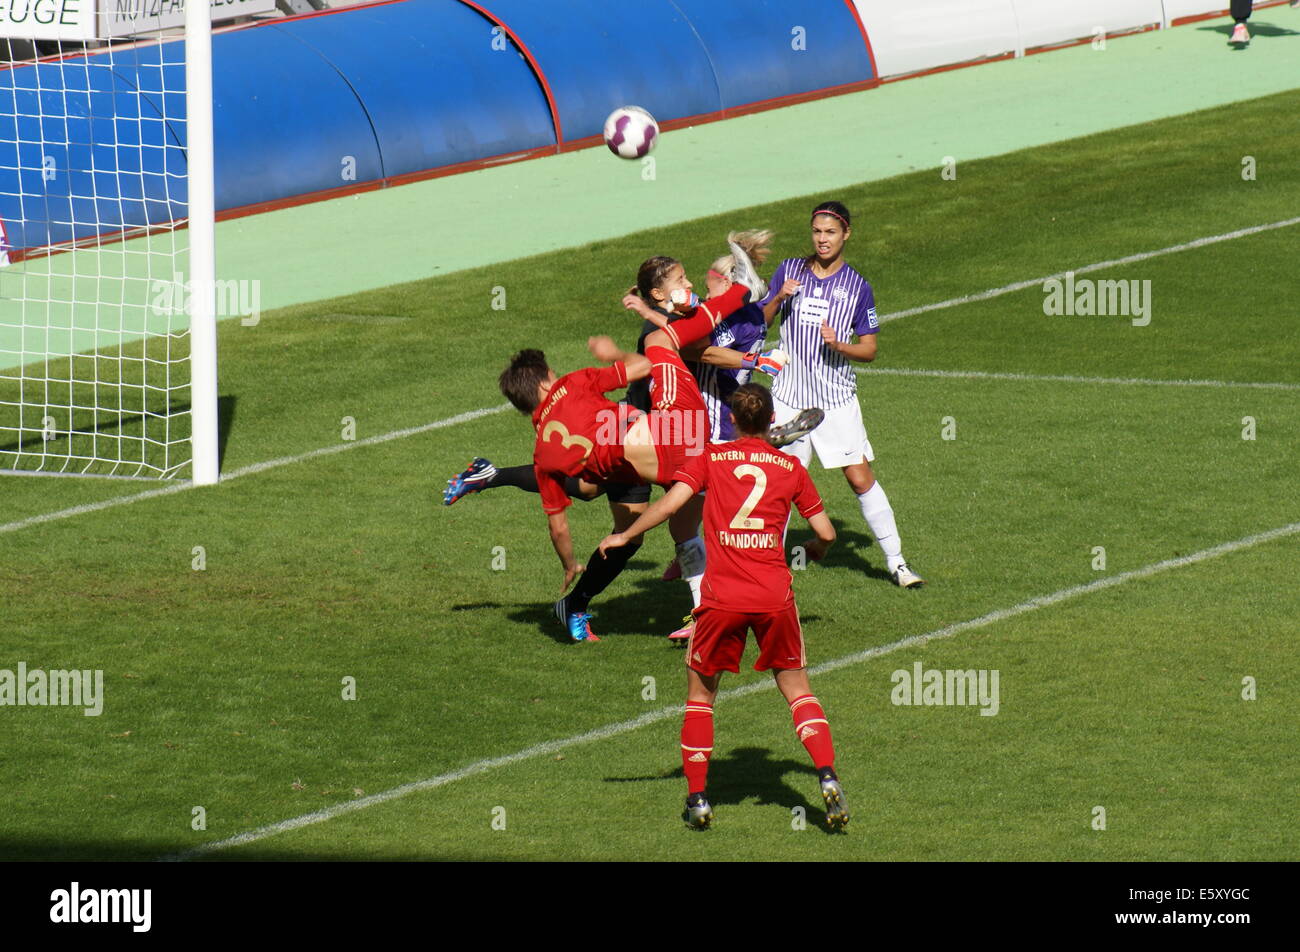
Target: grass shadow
{"type": "Point", "coordinates": [751, 774]}
{"type": "Point", "coordinates": [1257, 30]}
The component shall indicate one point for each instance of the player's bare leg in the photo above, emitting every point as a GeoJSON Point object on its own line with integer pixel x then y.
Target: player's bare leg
{"type": "Point", "coordinates": [880, 517]}
{"type": "Point", "coordinates": [814, 732]}
{"type": "Point", "coordinates": [697, 745]}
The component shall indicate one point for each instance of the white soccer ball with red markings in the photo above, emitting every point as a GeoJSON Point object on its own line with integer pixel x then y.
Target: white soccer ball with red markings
{"type": "Point", "coordinates": [631, 132]}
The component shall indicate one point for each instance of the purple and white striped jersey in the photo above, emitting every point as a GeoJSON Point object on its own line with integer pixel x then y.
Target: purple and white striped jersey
{"type": "Point", "coordinates": [742, 331]}
{"type": "Point", "coordinates": [816, 376]}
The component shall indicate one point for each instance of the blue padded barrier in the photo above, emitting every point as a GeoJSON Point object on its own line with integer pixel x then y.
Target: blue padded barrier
{"type": "Point", "coordinates": [319, 103]}
{"type": "Point", "coordinates": [597, 55]}
{"type": "Point", "coordinates": [437, 89]}
{"type": "Point", "coordinates": [60, 121]}
{"type": "Point", "coordinates": [768, 49]}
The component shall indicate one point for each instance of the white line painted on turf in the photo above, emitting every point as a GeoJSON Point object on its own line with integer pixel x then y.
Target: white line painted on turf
{"type": "Point", "coordinates": [1085, 269]}
{"type": "Point", "coordinates": [654, 717]}
{"type": "Point", "coordinates": [251, 469]}
{"type": "Point", "coordinates": [1066, 378]}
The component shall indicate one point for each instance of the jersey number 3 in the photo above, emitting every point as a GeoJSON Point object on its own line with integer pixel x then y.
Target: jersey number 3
{"type": "Point", "coordinates": [742, 518]}
{"type": "Point", "coordinates": [567, 439]}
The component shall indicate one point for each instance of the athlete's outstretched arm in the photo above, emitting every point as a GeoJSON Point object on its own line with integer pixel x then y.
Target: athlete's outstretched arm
{"type": "Point", "coordinates": [634, 303]}
{"type": "Point", "coordinates": [660, 512]}
{"type": "Point", "coordinates": [821, 525]}
{"type": "Point", "coordinates": [607, 352]}
{"type": "Point", "coordinates": [717, 356]}
{"type": "Point", "coordinates": [563, 542]}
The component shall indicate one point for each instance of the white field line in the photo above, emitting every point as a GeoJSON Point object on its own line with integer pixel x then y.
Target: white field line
{"type": "Point", "coordinates": [1085, 269]}
{"type": "Point", "coordinates": [1066, 378]}
{"type": "Point", "coordinates": [474, 414]}
{"type": "Point", "coordinates": [252, 469]}
{"type": "Point", "coordinates": [654, 717]}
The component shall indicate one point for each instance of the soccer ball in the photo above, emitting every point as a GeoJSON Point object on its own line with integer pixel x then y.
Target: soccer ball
{"type": "Point", "coordinates": [631, 132]}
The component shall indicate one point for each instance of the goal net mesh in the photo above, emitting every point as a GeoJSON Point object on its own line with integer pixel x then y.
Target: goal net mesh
{"type": "Point", "coordinates": [94, 339]}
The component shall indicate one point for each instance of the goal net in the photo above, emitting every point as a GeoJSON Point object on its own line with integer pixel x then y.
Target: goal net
{"type": "Point", "coordinates": [107, 360]}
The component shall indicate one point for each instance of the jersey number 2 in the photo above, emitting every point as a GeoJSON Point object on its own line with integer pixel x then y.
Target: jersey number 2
{"type": "Point", "coordinates": [742, 519]}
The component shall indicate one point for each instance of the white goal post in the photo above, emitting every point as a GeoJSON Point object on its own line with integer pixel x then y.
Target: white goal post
{"type": "Point", "coordinates": [107, 250]}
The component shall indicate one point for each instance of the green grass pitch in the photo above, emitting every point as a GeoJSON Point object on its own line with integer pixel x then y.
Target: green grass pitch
{"type": "Point", "coordinates": [224, 686]}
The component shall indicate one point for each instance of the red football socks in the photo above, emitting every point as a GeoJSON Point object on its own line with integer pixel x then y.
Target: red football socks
{"type": "Point", "coordinates": [697, 744]}
{"type": "Point", "coordinates": [813, 730]}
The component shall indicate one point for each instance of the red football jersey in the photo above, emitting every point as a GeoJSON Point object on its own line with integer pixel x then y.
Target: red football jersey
{"type": "Point", "coordinates": [580, 433]}
{"type": "Point", "coordinates": [749, 487]}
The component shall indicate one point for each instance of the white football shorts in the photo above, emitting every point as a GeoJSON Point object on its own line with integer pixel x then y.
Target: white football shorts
{"type": "Point", "coordinates": [840, 440]}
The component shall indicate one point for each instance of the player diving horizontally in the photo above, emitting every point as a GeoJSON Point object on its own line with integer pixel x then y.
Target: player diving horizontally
{"type": "Point", "coordinates": [750, 488]}
{"type": "Point", "coordinates": [582, 433]}
{"type": "Point", "coordinates": [677, 400]}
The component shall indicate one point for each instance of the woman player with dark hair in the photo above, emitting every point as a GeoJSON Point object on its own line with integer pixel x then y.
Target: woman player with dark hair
{"type": "Point", "coordinates": [660, 282]}
{"type": "Point", "coordinates": [823, 304]}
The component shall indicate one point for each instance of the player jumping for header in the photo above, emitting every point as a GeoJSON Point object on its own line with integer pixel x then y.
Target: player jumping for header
{"type": "Point", "coordinates": [582, 433]}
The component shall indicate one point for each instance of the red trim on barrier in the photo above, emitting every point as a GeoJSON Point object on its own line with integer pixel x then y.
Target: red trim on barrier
{"type": "Point", "coordinates": [573, 145]}
{"type": "Point", "coordinates": [1048, 47]}
{"type": "Point", "coordinates": [951, 66]}
{"type": "Point", "coordinates": [375, 184]}
{"type": "Point", "coordinates": [871, 54]}
{"type": "Point", "coordinates": [1215, 14]}
{"type": "Point", "coordinates": [794, 99]}
{"type": "Point", "coordinates": [318, 13]}
{"type": "Point", "coordinates": [532, 61]}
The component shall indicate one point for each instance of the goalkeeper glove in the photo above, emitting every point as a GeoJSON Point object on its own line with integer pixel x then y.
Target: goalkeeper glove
{"type": "Point", "coordinates": [768, 361]}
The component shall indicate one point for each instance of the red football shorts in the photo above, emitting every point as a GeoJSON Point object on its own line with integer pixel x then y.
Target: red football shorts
{"type": "Point", "coordinates": [679, 419]}
{"type": "Point", "coordinates": [719, 639]}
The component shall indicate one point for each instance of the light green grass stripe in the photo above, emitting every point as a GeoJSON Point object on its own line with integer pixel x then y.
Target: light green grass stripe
{"type": "Point", "coordinates": [1068, 378]}
{"type": "Point", "coordinates": [654, 717]}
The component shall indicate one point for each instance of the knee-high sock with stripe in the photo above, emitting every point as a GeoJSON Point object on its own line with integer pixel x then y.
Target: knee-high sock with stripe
{"type": "Point", "coordinates": [813, 730]}
{"type": "Point", "coordinates": [697, 744]}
